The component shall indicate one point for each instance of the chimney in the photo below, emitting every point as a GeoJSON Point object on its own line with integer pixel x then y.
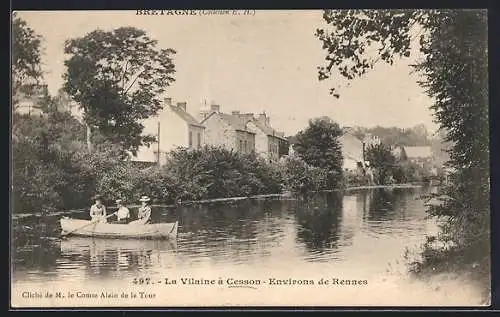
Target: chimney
{"type": "Point", "coordinates": [215, 108]}
{"type": "Point", "coordinates": [182, 105]}
{"type": "Point", "coordinates": [262, 118]}
{"type": "Point", "coordinates": [168, 101]}
{"type": "Point", "coordinates": [235, 112]}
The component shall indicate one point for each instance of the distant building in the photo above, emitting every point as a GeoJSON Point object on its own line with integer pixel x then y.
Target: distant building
{"type": "Point", "coordinates": [243, 132]}
{"type": "Point", "coordinates": [227, 130]}
{"type": "Point", "coordinates": [173, 127]}
{"type": "Point", "coordinates": [29, 104]}
{"type": "Point", "coordinates": [268, 141]}
{"type": "Point", "coordinates": [371, 140]}
{"type": "Point", "coordinates": [422, 155]}
{"type": "Point", "coordinates": [352, 151]}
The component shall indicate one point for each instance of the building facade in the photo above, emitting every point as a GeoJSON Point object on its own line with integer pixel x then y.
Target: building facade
{"type": "Point", "coordinates": [268, 141]}
{"type": "Point", "coordinates": [421, 155]}
{"type": "Point", "coordinates": [352, 152]}
{"type": "Point", "coordinates": [173, 127]}
{"type": "Point", "coordinates": [230, 131]}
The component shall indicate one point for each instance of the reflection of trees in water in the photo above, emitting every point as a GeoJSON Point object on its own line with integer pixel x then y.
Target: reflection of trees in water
{"type": "Point", "coordinates": [32, 244]}
{"type": "Point", "coordinates": [319, 222]}
{"type": "Point", "coordinates": [40, 254]}
{"type": "Point", "coordinates": [226, 230]}
{"type": "Point", "coordinates": [236, 220]}
{"type": "Point", "coordinates": [386, 204]}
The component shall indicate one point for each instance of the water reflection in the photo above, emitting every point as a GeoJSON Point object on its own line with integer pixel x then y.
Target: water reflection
{"type": "Point", "coordinates": [319, 223]}
{"type": "Point", "coordinates": [360, 229]}
{"type": "Point", "coordinates": [104, 257]}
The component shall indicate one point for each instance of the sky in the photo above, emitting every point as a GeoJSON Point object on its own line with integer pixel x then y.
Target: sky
{"type": "Point", "coordinates": [262, 62]}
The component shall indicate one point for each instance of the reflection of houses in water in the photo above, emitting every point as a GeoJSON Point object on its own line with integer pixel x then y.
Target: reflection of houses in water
{"type": "Point", "coordinates": [388, 204]}
{"type": "Point", "coordinates": [105, 256]}
{"type": "Point", "coordinates": [351, 218]}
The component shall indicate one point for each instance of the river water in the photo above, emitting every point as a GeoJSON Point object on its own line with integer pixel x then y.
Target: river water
{"type": "Point", "coordinates": [249, 247]}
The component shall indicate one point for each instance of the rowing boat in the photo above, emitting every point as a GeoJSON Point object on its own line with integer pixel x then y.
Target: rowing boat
{"type": "Point", "coordinates": [88, 228]}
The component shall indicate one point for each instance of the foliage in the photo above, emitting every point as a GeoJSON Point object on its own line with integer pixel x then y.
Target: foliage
{"type": "Point", "coordinates": [223, 173]}
{"type": "Point", "coordinates": [354, 179]}
{"type": "Point", "coordinates": [382, 160]}
{"type": "Point", "coordinates": [52, 170]}
{"type": "Point", "coordinates": [116, 77]}
{"type": "Point", "coordinates": [455, 72]}
{"type": "Point", "coordinates": [41, 148]}
{"type": "Point", "coordinates": [319, 146]}
{"type": "Point", "coordinates": [414, 136]}
{"type": "Point", "coordinates": [26, 58]}
{"type": "Point", "coordinates": [302, 179]}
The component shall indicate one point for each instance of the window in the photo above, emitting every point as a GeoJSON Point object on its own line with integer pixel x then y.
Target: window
{"type": "Point", "coordinates": [190, 138]}
{"type": "Point", "coordinates": [246, 146]}
{"type": "Point", "coordinates": [199, 140]}
{"type": "Point", "coordinates": [241, 145]}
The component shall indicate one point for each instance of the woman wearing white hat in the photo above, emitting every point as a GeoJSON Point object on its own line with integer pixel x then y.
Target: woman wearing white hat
{"type": "Point", "coordinates": [144, 214]}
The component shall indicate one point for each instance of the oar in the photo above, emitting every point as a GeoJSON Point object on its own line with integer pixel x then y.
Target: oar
{"type": "Point", "coordinates": [92, 222]}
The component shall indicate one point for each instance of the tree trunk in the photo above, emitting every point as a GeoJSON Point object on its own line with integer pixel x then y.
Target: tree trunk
{"type": "Point", "coordinates": [89, 134]}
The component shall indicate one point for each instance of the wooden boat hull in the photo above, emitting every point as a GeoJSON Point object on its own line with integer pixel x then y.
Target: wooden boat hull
{"type": "Point", "coordinates": [78, 227]}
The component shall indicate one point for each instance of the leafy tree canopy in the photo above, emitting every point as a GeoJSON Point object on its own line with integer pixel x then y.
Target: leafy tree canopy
{"type": "Point", "coordinates": [117, 78]}
{"type": "Point", "coordinates": [26, 58]}
{"type": "Point", "coordinates": [319, 146]}
{"type": "Point", "coordinates": [382, 160]}
{"type": "Point", "coordinates": [455, 74]}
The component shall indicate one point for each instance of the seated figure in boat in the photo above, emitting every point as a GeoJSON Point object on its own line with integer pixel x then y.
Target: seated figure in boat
{"type": "Point", "coordinates": [144, 214]}
{"type": "Point", "coordinates": [98, 210]}
{"type": "Point", "coordinates": [123, 213]}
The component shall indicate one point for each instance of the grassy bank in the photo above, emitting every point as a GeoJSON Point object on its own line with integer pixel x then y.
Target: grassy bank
{"type": "Point", "coordinates": [469, 264]}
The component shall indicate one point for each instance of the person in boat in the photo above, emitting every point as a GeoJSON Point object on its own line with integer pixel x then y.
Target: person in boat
{"type": "Point", "coordinates": [122, 213]}
{"type": "Point", "coordinates": [98, 210]}
{"type": "Point", "coordinates": [144, 214]}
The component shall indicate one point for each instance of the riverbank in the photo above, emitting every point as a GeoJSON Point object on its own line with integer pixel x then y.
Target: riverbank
{"type": "Point", "coordinates": [458, 266]}
{"type": "Point", "coordinates": [287, 195]}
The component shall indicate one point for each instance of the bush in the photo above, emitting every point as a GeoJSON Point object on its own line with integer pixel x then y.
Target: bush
{"type": "Point", "coordinates": [61, 173]}
{"type": "Point", "coordinates": [217, 172]}
{"type": "Point", "coordinates": [301, 179]}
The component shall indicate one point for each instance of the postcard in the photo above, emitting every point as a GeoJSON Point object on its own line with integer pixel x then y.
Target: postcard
{"type": "Point", "coordinates": [216, 158]}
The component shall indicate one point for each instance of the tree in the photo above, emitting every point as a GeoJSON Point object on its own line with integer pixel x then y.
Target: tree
{"type": "Point", "coordinates": [301, 179]}
{"type": "Point", "coordinates": [382, 160]}
{"type": "Point", "coordinates": [26, 59]}
{"type": "Point", "coordinates": [414, 136]}
{"type": "Point", "coordinates": [117, 77]}
{"type": "Point", "coordinates": [319, 146]}
{"type": "Point", "coordinates": [455, 75]}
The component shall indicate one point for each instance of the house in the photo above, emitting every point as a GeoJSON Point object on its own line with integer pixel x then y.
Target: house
{"type": "Point", "coordinates": [29, 103]}
{"type": "Point", "coordinates": [268, 141]}
{"type": "Point", "coordinates": [228, 130]}
{"type": "Point", "coordinates": [422, 155]}
{"type": "Point", "coordinates": [352, 151]}
{"type": "Point", "coordinates": [371, 140]}
{"type": "Point", "coordinates": [173, 127]}
{"type": "Point", "coordinates": [243, 132]}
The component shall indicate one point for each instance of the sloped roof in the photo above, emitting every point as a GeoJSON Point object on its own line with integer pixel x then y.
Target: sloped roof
{"type": "Point", "coordinates": [186, 116]}
{"type": "Point", "coordinates": [418, 151]}
{"type": "Point", "coordinates": [352, 147]}
{"type": "Point", "coordinates": [268, 130]}
{"type": "Point", "coordinates": [236, 122]}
